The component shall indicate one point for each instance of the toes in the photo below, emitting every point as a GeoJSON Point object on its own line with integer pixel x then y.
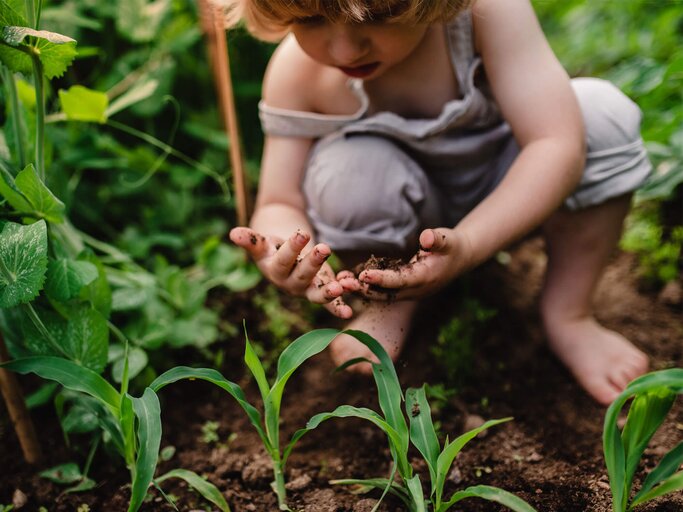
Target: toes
{"type": "Point", "coordinates": [603, 391]}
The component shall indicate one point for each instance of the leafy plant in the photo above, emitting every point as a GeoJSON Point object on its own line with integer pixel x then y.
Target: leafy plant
{"type": "Point", "coordinates": [419, 430]}
{"type": "Point", "coordinates": [132, 424]}
{"type": "Point", "coordinates": [653, 396]}
{"type": "Point", "coordinates": [267, 425]}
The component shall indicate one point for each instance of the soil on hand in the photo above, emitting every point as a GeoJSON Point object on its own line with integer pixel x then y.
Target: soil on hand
{"type": "Point", "coordinates": [550, 454]}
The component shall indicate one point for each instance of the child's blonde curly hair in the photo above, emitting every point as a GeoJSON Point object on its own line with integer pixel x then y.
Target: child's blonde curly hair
{"type": "Point", "coordinates": [270, 19]}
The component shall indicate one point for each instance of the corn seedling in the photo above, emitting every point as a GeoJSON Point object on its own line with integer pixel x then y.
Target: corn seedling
{"type": "Point", "coordinates": [267, 425]}
{"type": "Point", "coordinates": [653, 396]}
{"type": "Point", "coordinates": [419, 430]}
{"type": "Point", "coordinates": [133, 424]}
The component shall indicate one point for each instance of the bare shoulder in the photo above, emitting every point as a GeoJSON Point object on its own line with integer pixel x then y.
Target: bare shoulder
{"type": "Point", "coordinates": [295, 81]}
{"type": "Point", "coordinates": [292, 78]}
{"type": "Point", "coordinates": [499, 21]}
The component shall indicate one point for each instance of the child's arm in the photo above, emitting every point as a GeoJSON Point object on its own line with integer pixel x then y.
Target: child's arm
{"type": "Point", "coordinates": [535, 96]}
{"type": "Point", "coordinates": [279, 238]}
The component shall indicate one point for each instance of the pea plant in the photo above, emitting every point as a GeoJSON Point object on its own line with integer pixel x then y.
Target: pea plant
{"type": "Point", "coordinates": [267, 425]}
{"type": "Point", "coordinates": [653, 396]}
{"type": "Point", "coordinates": [418, 430]}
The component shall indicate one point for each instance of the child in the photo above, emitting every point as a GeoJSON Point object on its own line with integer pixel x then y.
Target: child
{"type": "Point", "coordinates": [445, 129]}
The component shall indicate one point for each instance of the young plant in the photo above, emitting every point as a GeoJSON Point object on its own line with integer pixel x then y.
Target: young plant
{"type": "Point", "coordinates": [419, 430]}
{"type": "Point", "coordinates": [653, 396]}
{"type": "Point", "coordinates": [133, 424]}
{"type": "Point", "coordinates": [267, 425]}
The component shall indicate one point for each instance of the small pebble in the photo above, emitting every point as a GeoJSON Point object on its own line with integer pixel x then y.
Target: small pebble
{"type": "Point", "coordinates": [19, 499]}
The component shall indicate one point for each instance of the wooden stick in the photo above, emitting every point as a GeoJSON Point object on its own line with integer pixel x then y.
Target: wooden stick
{"type": "Point", "coordinates": [18, 412]}
{"type": "Point", "coordinates": [214, 28]}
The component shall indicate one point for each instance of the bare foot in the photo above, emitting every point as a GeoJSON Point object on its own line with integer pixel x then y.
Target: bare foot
{"type": "Point", "coordinates": [387, 323]}
{"type": "Point", "coordinates": [603, 361]}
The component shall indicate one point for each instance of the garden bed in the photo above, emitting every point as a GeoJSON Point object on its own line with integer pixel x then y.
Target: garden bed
{"type": "Point", "coordinates": [550, 455]}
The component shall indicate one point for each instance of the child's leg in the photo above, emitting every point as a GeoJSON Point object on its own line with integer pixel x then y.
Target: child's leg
{"type": "Point", "coordinates": [366, 196]}
{"type": "Point", "coordinates": [580, 242]}
{"type": "Point", "coordinates": [579, 245]}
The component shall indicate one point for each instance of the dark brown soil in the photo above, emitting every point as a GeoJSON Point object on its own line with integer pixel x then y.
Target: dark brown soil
{"type": "Point", "coordinates": [550, 455]}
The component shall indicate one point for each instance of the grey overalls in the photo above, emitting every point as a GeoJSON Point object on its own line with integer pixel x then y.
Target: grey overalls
{"type": "Point", "coordinates": [372, 183]}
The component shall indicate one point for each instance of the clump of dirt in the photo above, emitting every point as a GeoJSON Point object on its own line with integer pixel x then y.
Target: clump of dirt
{"type": "Point", "coordinates": [380, 263]}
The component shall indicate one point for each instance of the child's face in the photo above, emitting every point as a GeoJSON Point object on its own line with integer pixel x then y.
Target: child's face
{"type": "Point", "coordinates": [361, 50]}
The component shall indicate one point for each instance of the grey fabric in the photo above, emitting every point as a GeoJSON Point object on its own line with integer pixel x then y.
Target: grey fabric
{"type": "Point", "coordinates": [373, 182]}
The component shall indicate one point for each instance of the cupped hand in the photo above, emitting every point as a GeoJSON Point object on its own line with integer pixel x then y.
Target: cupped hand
{"type": "Point", "coordinates": [443, 255]}
{"type": "Point", "coordinates": [296, 269]}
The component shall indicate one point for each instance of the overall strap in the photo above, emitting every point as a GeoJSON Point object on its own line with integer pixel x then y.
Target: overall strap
{"type": "Point", "coordinates": [461, 45]}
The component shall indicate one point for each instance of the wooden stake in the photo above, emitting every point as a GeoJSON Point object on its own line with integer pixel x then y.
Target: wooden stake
{"type": "Point", "coordinates": [214, 29]}
{"type": "Point", "coordinates": [18, 412]}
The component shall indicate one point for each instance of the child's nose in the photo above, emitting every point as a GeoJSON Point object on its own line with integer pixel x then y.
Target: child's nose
{"type": "Point", "coordinates": [347, 45]}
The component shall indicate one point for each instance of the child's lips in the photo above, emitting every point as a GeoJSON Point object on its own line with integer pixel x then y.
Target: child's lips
{"type": "Point", "coordinates": [360, 71]}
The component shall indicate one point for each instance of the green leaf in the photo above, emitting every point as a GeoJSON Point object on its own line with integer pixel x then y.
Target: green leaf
{"type": "Point", "coordinates": [68, 473]}
{"type": "Point", "coordinates": [23, 257]}
{"type": "Point", "coordinates": [139, 92]}
{"type": "Point", "coordinates": [490, 494]}
{"type": "Point", "coordinates": [671, 484]}
{"type": "Point", "coordinates": [14, 197]}
{"type": "Point", "coordinates": [451, 451]}
{"type": "Point", "coordinates": [422, 433]}
{"type": "Point", "coordinates": [344, 411]}
{"type": "Point", "coordinates": [66, 278]}
{"type": "Point", "coordinates": [82, 104]}
{"type": "Point", "coordinates": [214, 377]}
{"type": "Point", "coordinates": [254, 364]}
{"type": "Point", "coordinates": [209, 491]}
{"type": "Point", "coordinates": [87, 338]}
{"type": "Point", "coordinates": [42, 201]}
{"type": "Point", "coordinates": [416, 494]}
{"type": "Point", "coordinates": [55, 51]}
{"type": "Point", "coordinates": [140, 20]}
{"type": "Point", "coordinates": [70, 375]}
{"type": "Point", "coordinates": [10, 57]}
{"type": "Point", "coordinates": [137, 361]}
{"type": "Point", "coordinates": [667, 467]}
{"type": "Point", "coordinates": [648, 411]}
{"type": "Point", "coordinates": [148, 412]}
{"type": "Point", "coordinates": [301, 349]}
{"type": "Point", "coordinates": [613, 446]}
{"type": "Point", "coordinates": [84, 485]}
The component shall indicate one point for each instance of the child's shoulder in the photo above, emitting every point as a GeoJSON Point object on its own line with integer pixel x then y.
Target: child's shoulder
{"type": "Point", "coordinates": [294, 81]}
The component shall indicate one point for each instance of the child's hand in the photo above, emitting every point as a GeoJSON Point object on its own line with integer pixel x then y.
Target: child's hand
{"type": "Point", "coordinates": [287, 265]}
{"type": "Point", "coordinates": [443, 255]}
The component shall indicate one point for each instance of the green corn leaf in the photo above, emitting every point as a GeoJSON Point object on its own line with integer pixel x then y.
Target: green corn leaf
{"type": "Point", "coordinates": [648, 411]}
{"type": "Point", "coordinates": [671, 484]}
{"type": "Point", "coordinates": [416, 494]}
{"type": "Point", "coordinates": [66, 278]}
{"type": "Point", "coordinates": [367, 485]}
{"type": "Point", "coordinates": [301, 349]}
{"type": "Point", "coordinates": [70, 375]}
{"type": "Point", "coordinates": [390, 398]}
{"type": "Point", "coordinates": [422, 433]}
{"type": "Point", "coordinates": [55, 51]}
{"type": "Point", "coordinates": [148, 412]}
{"type": "Point", "coordinates": [343, 411]}
{"type": "Point", "coordinates": [490, 494]}
{"type": "Point", "coordinates": [209, 375]}
{"type": "Point", "coordinates": [254, 364]}
{"type": "Point", "coordinates": [209, 491]}
{"type": "Point", "coordinates": [23, 260]}
{"type": "Point", "coordinates": [666, 467]}
{"type": "Point", "coordinates": [87, 338]}
{"type": "Point", "coordinates": [127, 420]}
{"type": "Point", "coordinates": [613, 446]}
{"type": "Point", "coordinates": [451, 451]}
{"type": "Point", "coordinates": [82, 104]}
{"type": "Point", "coordinates": [137, 361]}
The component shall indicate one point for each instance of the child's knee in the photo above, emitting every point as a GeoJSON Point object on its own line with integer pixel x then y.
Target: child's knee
{"type": "Point", "coordinates": [612, 119]}
{"type": "Point", "coordinates": [364, 190]}
{"type": "Point", "coordinates": [616, 160]}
